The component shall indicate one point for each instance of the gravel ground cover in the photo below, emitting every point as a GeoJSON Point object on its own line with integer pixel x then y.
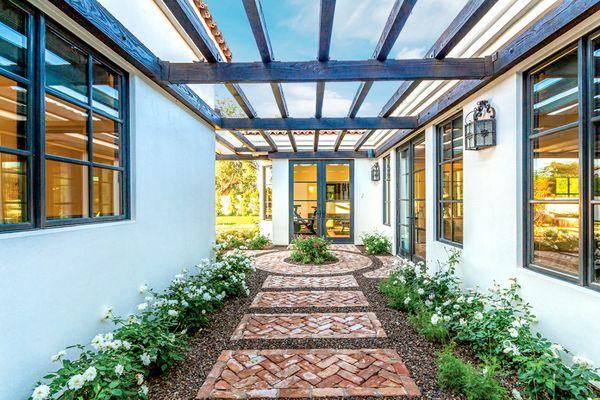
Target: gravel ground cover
{"type": "Point", "coordinates": [183, 381]}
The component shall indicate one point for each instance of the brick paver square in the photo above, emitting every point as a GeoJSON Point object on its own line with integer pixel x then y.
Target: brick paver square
{"type": "Point", "coordinates": [299, 299]}
{"type": "Point", "coordinates": [291, 282]}
{"type": "Point", "coordinates": [313, 326]}
{"type": "Point", "coordinates": [385, 270]}
{"type": "Point", "coordinates": [308, 373]}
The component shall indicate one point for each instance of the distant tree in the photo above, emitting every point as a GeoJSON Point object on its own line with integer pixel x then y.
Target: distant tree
{"type": "Point", "coordinates": [236, 179]}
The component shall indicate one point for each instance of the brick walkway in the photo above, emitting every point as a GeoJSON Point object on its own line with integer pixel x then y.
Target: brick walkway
{"type": "Point", "coordinates": [385, 270]}
{"type": "Point", "coordinates": [292, 282]}
{"type": "Point", "coordinates": [310, 373]}
{"type": "Point", "coordinates": [310, 298]}
{"type": "Point", "coordinates": [313, 326]}
{"type": "Point", "coordinates": [347, 262]}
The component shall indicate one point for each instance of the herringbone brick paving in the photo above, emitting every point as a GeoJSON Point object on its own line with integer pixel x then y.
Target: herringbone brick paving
{"type": "Point", "coordinates": [313, 326]}
{"type": "Point", "coordinates": [291, 282]}
{"type": "Point", "coordinates": [347, 262]}
{"type": "Point", "coordinates": [312, 298]}
{"type": "Point", "coordinates": [308, 373]}
{"type": "Point", "coordinates": [385, 270]}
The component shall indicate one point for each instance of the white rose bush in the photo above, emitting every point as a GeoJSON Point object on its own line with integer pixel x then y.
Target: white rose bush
{"type": "Point", "coordinates": [115, 365]}
{"type": "Point", "coordinates": [497, 324]}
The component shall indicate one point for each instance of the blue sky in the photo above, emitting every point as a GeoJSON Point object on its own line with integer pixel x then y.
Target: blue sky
{"type": "Point", "coordinates": [293, 29]}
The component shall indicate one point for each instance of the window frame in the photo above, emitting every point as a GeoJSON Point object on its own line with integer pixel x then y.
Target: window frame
{"type": "Point", "coordinates": [585, 123]}
{"type": "Point", "coordinates": [36, 94]}
{"type": "Point", "coordinates": [386, 188]}
{"type": "Point", "coordinates": [439, 162]}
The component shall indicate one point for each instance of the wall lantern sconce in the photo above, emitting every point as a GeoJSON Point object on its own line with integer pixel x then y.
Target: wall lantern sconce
{"type": "Point", "coordinates": [480, 132]}
{"type": "Point", "coordinates": [375, 173]}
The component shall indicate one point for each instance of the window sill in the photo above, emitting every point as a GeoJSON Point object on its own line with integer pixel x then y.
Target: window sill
{"type": "Point", "coordinates": [541, 273]}
{"type": "Point", "coordinates": [61, 229]}
{"type": "Point", "coordinates": [449, 243]}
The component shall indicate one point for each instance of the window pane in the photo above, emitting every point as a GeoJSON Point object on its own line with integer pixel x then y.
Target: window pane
{"type": "Point", "coordinates": [66, 129]}
{"type": "Point", "coordinates": [107, 192]}
{"type": "Point", "coordinates": [13, 38]}
{"type": "Point", "coordinates": [66, 190]}
{"type": "Point", "coordinates": [106, 89]}
{"type": "Point", "coordinates": [457, 222]}
{"type": "Point", "coordinates": [556, 237]}
{"type": "Point", "coordinates": [13, 189]}
{"type": "Point", "coordinates": [446, 181]}
{"type": "Point", "coordinates": [338, 228]}
{"type": "Point", "coordinates": [446, 231]}
{"type": "Point", "coordinates": [596, 77]}
{"type": "Point", "coordinates": [457, 137]}
{"type": "Point", "coordinates": [447, 141]}
{"type": "Point", "coordinates": [596, 165]}
{"type": "Point", "coordinates": [596, 252]}
{"type": "Point", "coordinates": [106, 140]}
{"type": "Point", "coordinates": [457, 180]}
{"type": "Point", "coordinates": [305, 191]}
{"type": "Point", "coordinates": [305, 217]}
{"type": "Point", "coordinates": [13, 114]}
{"type": "Point", "coordinates": [555, 94]}
{"type": "Point", "coordinates": [556, 165]}
{"type": "Point", "coordinates": [66, 67]}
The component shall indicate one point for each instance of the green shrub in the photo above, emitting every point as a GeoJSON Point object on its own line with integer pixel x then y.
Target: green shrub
{"type": "Point", "coordinates": [116, 363]}
{"type": "Point", "coordinates": [462, 378]}
{"type": "Point", "coordinates": [430, 325]}
{"type": "Point", "coordinates": [496, 323]}
{"type": "Point", "coordinates": [311, 250]}
{"type": "Point", "coordinates": [242, 239]}
{"type": "Point", "coordinates": [376, 243]}
{"type": "Point", "coordinates": [258, 242]}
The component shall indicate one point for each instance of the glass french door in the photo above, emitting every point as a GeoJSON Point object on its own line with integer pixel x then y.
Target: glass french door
{"type": "Point", "coordinates": [411, 203]}
{"type": "Point", "coordinates": [321, 194]}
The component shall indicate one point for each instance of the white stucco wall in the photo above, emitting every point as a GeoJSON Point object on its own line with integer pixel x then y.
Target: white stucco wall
{"type": "Point", "coordinates": [56, 283]}
{"type": "Point", "coordinates": [281, 198]}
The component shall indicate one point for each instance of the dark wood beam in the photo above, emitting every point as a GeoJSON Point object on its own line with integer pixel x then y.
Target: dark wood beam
{"type": "Point", "coordinates": [247, 143]}
{"type": "Point", "coordinates": [239, 157]}
{"type": "Point", "coordinates": [319, 101]}
{"type": "Point", "coordinates": [268, 139]}
{"type": "Point", "coordinates": [397, 137]}
{"type": "Point", "coordinates": [339, 139]}
{"type": "Point", "coordinates": [259, 149]}
{"type": "Point", "coordinates": [240, 98]}
{"type": "Point", "coordinates": [466, 19]}
{"type": "Point", "coordinates": [261, 37]}
{"type": "Point", "coordinates": [359, 98]}
{"type": "Point", "coordinates": [225, 143]}
{"type": "Point", "coordinates": [363, 139]}
{"type": "Point", "coordinates": [93, 17]}
{"type": "Point", "coordinates": [334, 71]}
{"type": "Point", "coordinates": [292, 141]}
{"type": "Point", "coordinates": [321, 154]}
{"type": "Point", "coordinates": [555, 22]}
{"type": "Point", "coordinates": [471, 13]}
{"type": "Point", "coordinates": [395, 22]}
{"type": "Point", "coordinates": [316, 143]}
{"type": "Point", "coordinates": [191, 24]}
{"type": "Point", "coordinates": [326, 14]}
{"type": "Point", "coordinates": [289, 124]}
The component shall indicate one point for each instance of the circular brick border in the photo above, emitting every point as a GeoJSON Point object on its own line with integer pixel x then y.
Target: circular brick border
{"type": "Point", "coordinates": [347, 262]}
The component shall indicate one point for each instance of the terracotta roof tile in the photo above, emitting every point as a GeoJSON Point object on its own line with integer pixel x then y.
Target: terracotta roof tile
{"type": "Point", "coordinates": [214, 29]}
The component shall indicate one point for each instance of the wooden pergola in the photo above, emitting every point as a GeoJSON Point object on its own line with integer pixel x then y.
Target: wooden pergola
{"type": "Point", "coordinates": [473, 73]}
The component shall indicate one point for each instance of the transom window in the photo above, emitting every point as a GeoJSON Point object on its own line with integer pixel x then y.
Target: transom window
{"type": "Point", "coordinates": [450, 181]}
{"type": "Point", "coordinates": [562, 196]}
{"type": "Point", "coordinates": [387, 179]}
{"type": "Point", "coordinates": [62, 137]}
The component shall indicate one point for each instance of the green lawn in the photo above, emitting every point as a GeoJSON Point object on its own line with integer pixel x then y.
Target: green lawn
{"type": "Point", "coordinates": [227, 223]}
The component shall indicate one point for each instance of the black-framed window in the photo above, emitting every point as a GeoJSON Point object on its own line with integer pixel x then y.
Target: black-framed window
{"type": "Point", "coordinates": [562, 164]}
{"type": "Point", "coordinates": [63, 133]}
{"type": "Point", "coordinates": [450, 181]}
{"type": "Point", "coordinates": [267, 192]}
{"type": "Point", "coordinates": [387, 179]}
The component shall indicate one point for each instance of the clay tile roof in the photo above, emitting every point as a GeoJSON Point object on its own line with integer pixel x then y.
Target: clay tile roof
{"type": "Point", "coordinates": [214, 29]}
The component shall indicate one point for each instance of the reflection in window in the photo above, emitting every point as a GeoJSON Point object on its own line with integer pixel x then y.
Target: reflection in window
{"type": "Point", "coordinates": [13, 38]}
{"type": "Point", "coordinates": [66, 67]}
{"type": "Point", "coordinates": [13, 189]}
{"type": "Point", "coordinates": [450, 170]}
{"type": "Point", "coordinates": [106, 141]}
{"type": "Point", "coordinates": [106, 89]}
{"type": "Point", "coordinates": [554, 172]}
{"type": "Point", "coordinates": [66, 190]}
{"type": "Point", "coordinates": [107, 192]}
{"type": "Point", "coordinates": [267, 193]}
{"type": "Point", "coordinates": [337, 196]}
{"type": "Point", "coordinates": [66, 129]}
{"type": "Point", "coordinates": [305, 205]}
{"type": "Point", "coordinates": [13, 114]}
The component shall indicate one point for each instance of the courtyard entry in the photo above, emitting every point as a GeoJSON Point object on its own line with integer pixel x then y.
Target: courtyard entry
{"type": "Point", "coordinates": [411, 203]}
{"type": "Point", "coordinates": [322, 201]}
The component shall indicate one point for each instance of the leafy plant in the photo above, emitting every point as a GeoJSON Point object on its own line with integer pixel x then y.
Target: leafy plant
{"type": "Point", "coordinates": [258, 242]}
{"type": "Point", "coordinates": [430, 326]}
{"type": "Point", "coordinates": [462, 378]}
{"type": "Point", "coordinates": [376, 243]}
{"type": "Point", "coordinates": [311, 250]}
{"type": "Point", "coordinates": [115, 364]}
{"type": "Point", "coordinates": [496, 323]}
{"type": "Point", "coordinates": [242, 239]}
